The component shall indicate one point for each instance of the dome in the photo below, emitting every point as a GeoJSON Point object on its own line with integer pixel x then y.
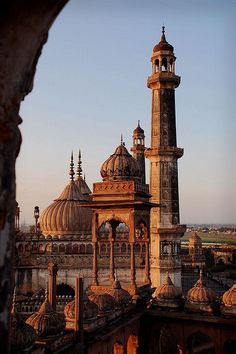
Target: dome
{"type": "Point", "coordinates": [195, 240]}
{"type": "Point", "coordinates": [22, 335]}
{"type": "Point", "coordinates": [167, 291]}
{"type": "Point", "coordinates": [120, 166]}
{"type": "Point", "coordinates": [105, 302]}
{"type": "Point", "coordinates": [121, 296]}
{"type": "Point", "coordinates": [163, 44]}
{"type": "Point", "coordinates": [229, 297]}
{"type": "Point", "coordinates": [46, 321]}
{"type": "Point", "coordinates": [64, 216]}
{"type": "Point", "coordinates": [138, 130]}
{"type": "Point", "coordinates": [200, 294]}
{"type": "Point", "coordinates": [90, 309]}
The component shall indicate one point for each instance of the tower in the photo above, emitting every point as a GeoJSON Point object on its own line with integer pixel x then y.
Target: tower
{"type": "Point", "coordinates": [138, 149]}
{"type": "Point", "coordinates": [165, 230]}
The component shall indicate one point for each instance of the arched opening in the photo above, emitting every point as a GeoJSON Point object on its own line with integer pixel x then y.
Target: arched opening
{"type": "Point", "coordinates": [89, 249]}
{"type": "Point", "coordinates": [164, 64]}
{"type": "Point", "coordinates": [200, 343]}
{"type": "Point", "coordinates": [65, 289]}
{"type": "Point", "coordinates": [132, 344]}
{"type": "Point", "coordinates": [118, 348]}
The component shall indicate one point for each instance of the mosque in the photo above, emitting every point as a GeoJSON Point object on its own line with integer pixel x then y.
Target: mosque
{"type": "Point", "coordinates": [115, 252]}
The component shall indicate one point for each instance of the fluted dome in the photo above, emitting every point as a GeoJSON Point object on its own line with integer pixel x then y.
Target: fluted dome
{"type": "Point", "coordinates": [195, 240]}
{"type": "Point", "coordinates": [22, 335]}
{"type": "Point", "coordinates": [120, 166]}
{"type": "Point", "coordinates": [121, 296]}
{"type": "Point", "coordinates": [229, 297]}
{"type": "Point", "coordinates": [167, 291]}
{"type": "Point", "coordinates": [65, 216]}
{"type": "Point", "coordinates": [46, 321]}
{"type": "Point", "coordinates": [200, 294]}
{"type": "Point", "coordinates": [163, 44]}
{"type": "Point", "coordinates": [138, 130]}
{"type": "Point", "coordinates": [105, 302]}
{"type": "Point", "coordinates": [90, 309]}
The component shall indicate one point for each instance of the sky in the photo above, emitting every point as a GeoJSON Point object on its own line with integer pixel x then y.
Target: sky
{"type": "Point", "coordinates": [90, 86]}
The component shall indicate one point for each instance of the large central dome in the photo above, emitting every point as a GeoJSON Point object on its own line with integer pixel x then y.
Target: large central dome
{"type": "Point", "coordinates": [120, 166]}
{"type": "Point", "coordinates": [65, 216]}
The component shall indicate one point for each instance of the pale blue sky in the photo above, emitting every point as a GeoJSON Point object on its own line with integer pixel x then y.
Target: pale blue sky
{"type": "Point", "coordinates": [90, 86]}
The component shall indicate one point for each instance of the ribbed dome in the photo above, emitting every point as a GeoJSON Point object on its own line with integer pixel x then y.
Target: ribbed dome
{"type": "Point", "coordinates": [83, 188]}
{"type": "Point", "coordinates": [229, 297]}
{"type": "Point", "coordinates": [90, 309]}
{"type": "Point", "coordinates": [167, 291]}
{"type": "Point", "coordinates": [121, 296]}
{"type": "Point", "coordinates": [200, 294]}
{"type": "Point", "coordinates": [105, 302]}
{"type": "Point", "coordinates": [163, 44]}
{"type": "Point", "coordinates": [195, 240]}
{"type": "Point", "coordinates": [46, 321]}
{"type": "Point", "coordinates": [22, 335]}
{"type": "Point", "coordinates": [120, 166]}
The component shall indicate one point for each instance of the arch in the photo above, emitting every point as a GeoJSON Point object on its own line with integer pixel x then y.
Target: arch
{"type": "Point", "coordinates": [41, 248]}
{"type": "Point", "coordinates": [104, 231]}
{"type": "Point", "coordinates": [137, 247]}
{"type": "Point", "coordinates": [35, 247]}
{"type": "Point", "coordinates": [65, 289]}
{"type": "Point", "coordinates": [132, 344]}
{"type": "Point", "coordinates": [28, 247]}
{"type": "Point", "coordinates": [118, 348]}
{"type": "Point", "coordinates": [75, 248]}
{"type": "Point", "coordinates": [48, 248]}
{"type": "Point", "coordinates": [201, 343]}
{"type": "Point", "coordinates": [89, 249]}
{"type": "Point", "coordinates": [54, 248]}
{"type": "Point", "coordinates": [164, 64]}
{"type": "Point", "coordinates": [62, 248]}
{"type": "Point", "coordinates": [82, 248]}
{"type": "Point", "coordinates": [20, 248]}
{"type": "Point", "coordinates": [123, 248]}
{"type": "Point", "coordinates": [69, 248]}
{"type": "Point", "coordinates": [103, 248]}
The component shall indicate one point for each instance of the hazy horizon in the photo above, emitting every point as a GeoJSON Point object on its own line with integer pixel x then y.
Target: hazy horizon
{"type": "Point", "coordinates": [90, 86]}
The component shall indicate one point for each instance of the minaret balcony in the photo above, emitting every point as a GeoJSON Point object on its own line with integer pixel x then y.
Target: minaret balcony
{"type": "Point", "coordinates": [163, 77]}
{"type": "Point", "coordinates": [164, 151]}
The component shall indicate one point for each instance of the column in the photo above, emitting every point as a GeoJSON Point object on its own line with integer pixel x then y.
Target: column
{"type": "Point", "coordinates": [52, 284]}
{"type": "Point", "coordinates": [95, 267]}
{"type": "Point", "coordinates": [132, 264]}
{"type": "Point", "coordinates": [147, 267]}
{"type": "Point", "coordinates": [112, 272]}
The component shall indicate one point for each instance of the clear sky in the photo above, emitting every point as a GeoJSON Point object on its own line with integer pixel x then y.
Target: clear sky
{"type": "Point", "coordinates": [90, 87]}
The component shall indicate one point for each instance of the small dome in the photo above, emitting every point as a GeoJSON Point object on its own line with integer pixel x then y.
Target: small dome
{"type": "Point", "coordinates": [200, 294]}
{"type": "Point", "coordinates": [121, 296]}
{"type": "Point", "coordinates": [195, 240]}
{"type": "Point", "coordinates": [120, 166]}
{"type": "Point", "coordinates": [167, 291]}
{"type": "Point", "coordinates": [138, 130]}
{"type": "Point", "coordinates": [22, 335]}
{"type": "Point", "coordinates": [90, 309]}
{"type": "Point", "coordinates": [229, 297]}
{"type": "Point", "coordinates": [46, 321]}
{"type": "Point", "coordinates": [105, 302]}
{"type": "Point", "coordinates": [163, 44]}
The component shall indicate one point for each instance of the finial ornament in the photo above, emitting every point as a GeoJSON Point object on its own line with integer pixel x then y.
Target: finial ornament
{"type": "Point", "coordinates": [163, 29]}
{"type": "Point", "coordinates": [72, 172]}
{"type": "Point", "coordinates": [79, 168]}
{"type": "Point", "coordinates": [138, 123]}
{"type": "Point", "coordinates": [121, 139]}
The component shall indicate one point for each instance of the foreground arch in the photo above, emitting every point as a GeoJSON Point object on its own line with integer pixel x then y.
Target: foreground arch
{"type": "Point", "coordinates": [24, 26]}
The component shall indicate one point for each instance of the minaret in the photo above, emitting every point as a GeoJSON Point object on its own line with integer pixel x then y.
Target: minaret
{"type": "Point", "coordinates": [138, 149]}
{"type": "Point", "coordinates": [165, 230]}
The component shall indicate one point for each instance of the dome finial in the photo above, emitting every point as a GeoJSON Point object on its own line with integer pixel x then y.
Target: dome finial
{"type": "Point", "coordinates": [72, 172]}
{"type": "Point", "coordinates": [163, 29]}
{"type": "Point", "coordinates": [121, 139]}
{"type": "Point", "coordinates": [138, 123]}
{"type": "Point", "coordinates": [163, 37]}
{"type": "Point", "coordinates": [79, 168]}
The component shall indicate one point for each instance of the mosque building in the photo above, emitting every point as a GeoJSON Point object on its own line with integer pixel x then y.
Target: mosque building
{"type": "Point", "coordinates": [115, 252]}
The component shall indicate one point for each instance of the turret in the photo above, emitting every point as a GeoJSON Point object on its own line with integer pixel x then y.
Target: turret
{"type": "Point", "coordinates": [138, 149]}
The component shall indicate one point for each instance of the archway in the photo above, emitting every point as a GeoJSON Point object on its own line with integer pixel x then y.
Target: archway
{"type": "Point", "coordinates": [132, 344]}
{"type": "Point", "coordinates": [200, 343]}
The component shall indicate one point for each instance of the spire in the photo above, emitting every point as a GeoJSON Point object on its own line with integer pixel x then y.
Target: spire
{"type": "Point", "coordinates": [163, 37]}
{"type": "Point", "coordinates": [72, 172]}
{"type": "Point", "coordinates": [121, 139]}
{"type": "Point", "coordinates": [79, 168]}
{"type": "Point", "coordinates": [139, 123]}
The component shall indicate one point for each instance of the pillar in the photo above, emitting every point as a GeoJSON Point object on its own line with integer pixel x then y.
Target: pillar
{"type": "Point", "coordinates": [112, 270]}
{"type": "Point", "coordinates": [132, 263]}
{"type": "Point", "coordinates": [95, 267]}
{"type": "Point", "coordinates": [147, 267]}
{"type": "Point", "coordinates": [52, 284]}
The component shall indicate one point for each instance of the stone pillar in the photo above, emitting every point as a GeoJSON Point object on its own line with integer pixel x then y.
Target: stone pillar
{"type": "Point", "coordinates": [132, 263]}
{"type": "Point", "coordinates": [95, 267]}
{"type": "Point", "coordinates": [147, 266]}
{"type": "Point", "coordinates": [112, 270]}
{"type": "Point", "coordinates": [52, 284]}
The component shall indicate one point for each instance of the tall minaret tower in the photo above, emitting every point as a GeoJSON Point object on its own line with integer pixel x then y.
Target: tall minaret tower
{"type": "Point", "coordinates": [165, 229]}
{"type": "Point", "coordinates": [138, 149]}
